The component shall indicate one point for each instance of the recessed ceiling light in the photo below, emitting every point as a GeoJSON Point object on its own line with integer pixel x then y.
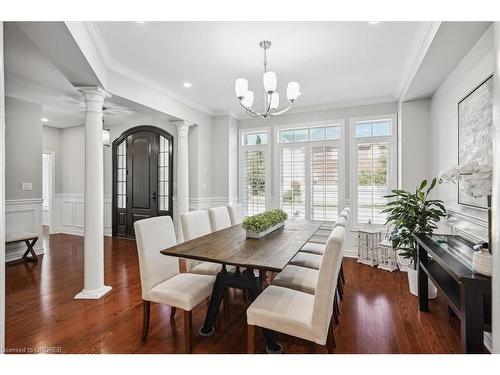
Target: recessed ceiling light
{"type": "Point", "coordinates": [373, 22]}
{"type": "Point", "coordinates": [187, 85]}
{"type": "Point", "coordinates": [44, 119]}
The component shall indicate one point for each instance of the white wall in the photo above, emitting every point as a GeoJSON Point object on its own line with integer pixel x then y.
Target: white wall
{"type": "Point", "coordinates": [443, 136]}
{"type": "Point", "coordinates": [2, 193]}
{"type": "Point", "coordinates": [23, 163]}
{"type": "Point", "coordinates": [413, 142]}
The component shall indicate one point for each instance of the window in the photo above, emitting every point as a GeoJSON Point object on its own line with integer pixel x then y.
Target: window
{"type": "Point", "coordinates": [308, 171]}
{"type": "Point", "coordinates": [324, 183]}
{"type": "Point", "coordinates": [46, 180]}
{"type": "Point", "coordinates": [121, 175]}
{"type": "Point", "coordinates": [163, 174]}
{"type": "Point", "coordinates": [293, 181]}
{"type": "Point", "coordinates": [374, 168]}
{"type": "Point", "coordinates": [254, 172]}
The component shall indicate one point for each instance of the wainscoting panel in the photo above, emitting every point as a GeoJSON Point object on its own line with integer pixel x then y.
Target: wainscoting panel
{"type": "Point", "coordinates": [23, 215]}
{"type": "Point", "coordinates": [69, 214]}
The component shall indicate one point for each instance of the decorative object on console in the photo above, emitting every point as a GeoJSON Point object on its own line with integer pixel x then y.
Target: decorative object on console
{"type": "Point", "coordinates": [475, 134]}
{"type": "Point", "coordinates": [259, 225]}
{"type": "Point", "coordinates": [411, 214]}
{"type": "Point", "coordinates": [476, 181]}
{"type": "Point", "coordinates": [271, 96]}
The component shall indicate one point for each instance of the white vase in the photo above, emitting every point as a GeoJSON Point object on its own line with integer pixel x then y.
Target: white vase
{"type": "Point", "coordinates": [257, 235]}
{"type": "Point", "coordinates": [413, 283]}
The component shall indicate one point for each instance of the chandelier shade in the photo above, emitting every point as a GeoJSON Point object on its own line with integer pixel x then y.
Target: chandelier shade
{"type": "Point", "coordinates": [241, 87]}
{"type": "Point", "coordinates": [271, 95]}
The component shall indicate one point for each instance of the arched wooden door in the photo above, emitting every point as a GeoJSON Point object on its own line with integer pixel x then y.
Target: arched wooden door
{"type": "Point", "coordinates": [142, 177]}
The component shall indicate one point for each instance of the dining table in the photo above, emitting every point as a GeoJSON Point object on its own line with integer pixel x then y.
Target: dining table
{"type": "Point", "coordinates": [231, 247]}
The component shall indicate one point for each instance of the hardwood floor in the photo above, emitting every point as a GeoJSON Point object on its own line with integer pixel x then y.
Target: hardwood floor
{"type": "Point", "coordinates": [378, 313]}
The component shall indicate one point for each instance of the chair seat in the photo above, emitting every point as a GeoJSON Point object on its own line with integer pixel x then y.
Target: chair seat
{"type": "Point", "coordinates": [307, 260]}
{"type": "Point", "coordinates": [284, 310]}
{"type": "Point", "coordinates": [298, 278]}
{"type": "Point", "coordinates": [184, 290]}
{"type": "Point", "coordinates": [209, 268]}
{"type": "Point", "coordinates": [323, 232]}
{"type": "Point", "coordinates": [313, 248]}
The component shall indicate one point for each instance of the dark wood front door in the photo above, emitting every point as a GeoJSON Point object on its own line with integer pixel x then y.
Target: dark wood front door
{"type": "Point", "coordinates": [142, 177]}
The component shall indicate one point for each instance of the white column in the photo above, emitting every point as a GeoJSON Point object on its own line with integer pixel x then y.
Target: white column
{"type": "Point", "coordinates": [94, 287]}
{"type": "Point", "coordinates": [2, 193]}
{"type": "Point", "coordinates": [182, 173]}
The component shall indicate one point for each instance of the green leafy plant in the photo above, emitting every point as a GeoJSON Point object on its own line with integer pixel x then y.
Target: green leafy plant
{"type": "Point", "coordinates": [412, 213]}
{"type": "Point", "coordinates": [264, 220]}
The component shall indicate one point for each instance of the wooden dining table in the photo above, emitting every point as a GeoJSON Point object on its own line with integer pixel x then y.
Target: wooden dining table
{"type": "Point", "coordinates": [230, 247]}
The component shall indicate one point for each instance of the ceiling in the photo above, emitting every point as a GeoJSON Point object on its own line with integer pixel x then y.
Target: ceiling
{"type": "Point", "coordinates": [30, 75]}
{"type": "Point", "coordinates": [335, 62]}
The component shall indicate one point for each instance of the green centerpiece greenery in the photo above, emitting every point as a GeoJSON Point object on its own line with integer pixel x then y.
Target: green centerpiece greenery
{"type": "Point", "coordinates": [265, 220]}
{"type": "Point", "coordinates": [412, 213]}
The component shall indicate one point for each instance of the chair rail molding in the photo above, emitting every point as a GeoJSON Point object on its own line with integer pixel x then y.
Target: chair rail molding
{"type": "Point", "coordinates": [23, 215]}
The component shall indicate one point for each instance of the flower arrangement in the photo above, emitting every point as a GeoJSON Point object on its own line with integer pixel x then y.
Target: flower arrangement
{"type": "Point", "coordinates": [265, 220]}
{"type": "Point", "coordinates": [476, 178]}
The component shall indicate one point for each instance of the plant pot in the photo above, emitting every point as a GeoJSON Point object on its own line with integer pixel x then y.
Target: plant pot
{"type": "Point", "coordinates": [403, 263]}
{"type": "Point", "coordinates": [413, 283]}
{"type": "Point", "coordinates": [252, 234]}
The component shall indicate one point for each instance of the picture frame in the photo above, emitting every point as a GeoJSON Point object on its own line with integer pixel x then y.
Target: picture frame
{"type": "Point", "coordinates": [475, 128]}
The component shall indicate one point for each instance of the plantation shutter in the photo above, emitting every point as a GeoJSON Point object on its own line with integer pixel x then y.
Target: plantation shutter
{"type": "Point", "coordinates": [293, 181]}
{"type": "Point", "coordinates": [324, 182]}
{"type": "Point", "coordinates": [254, 182]}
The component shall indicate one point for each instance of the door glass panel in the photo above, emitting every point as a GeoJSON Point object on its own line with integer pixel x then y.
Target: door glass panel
{"type": "Point", "coordinates": [293, 181]}
{"type": "Point", "coordinates": [121, 175]}
{"type": "Point", "coordinates": [324, 183]}
{"type": "Point", "coordinates": [163, 174]}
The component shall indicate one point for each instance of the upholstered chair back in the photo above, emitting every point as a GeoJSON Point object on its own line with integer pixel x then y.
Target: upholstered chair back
{"type": "Point", "coordinates": [151, 236]}
{"type": "Point", "coordinates": [194, 224]}
{"type": "Point", "coordinates": [344, 214]}
{"type": "Point", "coordinates": [341, 222]}
{"type": "Point", "coordinates": [219, 218]}
{"type": "Point", "coordinates": [327, 283]}
{"type": "Point", "coordinates": [235, 213]}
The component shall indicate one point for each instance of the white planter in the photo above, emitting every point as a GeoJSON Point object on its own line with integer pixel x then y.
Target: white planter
{"type": "Point", "coordinates": [413, 282]}
{"type": "Point", "coordinates": [252, 234]}
{"type": "Point", "coordinates": [403, 263]}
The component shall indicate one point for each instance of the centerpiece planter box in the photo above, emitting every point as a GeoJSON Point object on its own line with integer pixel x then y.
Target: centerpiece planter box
{"type": "Point", "coordinates": [259, 225]}
{"type": "Point", "coordinates": [253, 234]}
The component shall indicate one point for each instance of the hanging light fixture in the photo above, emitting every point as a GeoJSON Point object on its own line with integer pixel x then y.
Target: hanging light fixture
{"type": "Point", "coordinates": [271, 96]}
{"type": "Point", "coordinates": [106, 135]}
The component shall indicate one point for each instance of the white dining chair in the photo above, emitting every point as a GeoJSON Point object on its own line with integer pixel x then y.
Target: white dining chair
{"type": "Point", "coordinates": [296, 313]}
{"type": "Point", "coordinates": [219, 218]}
{"type": "Point", "coordinates": [161, 281]}
{"type": "Point", "coordinates": [235, 213]}
{"type": "Point", "coordinates": [196, 224]}
{"type": "Point", "coordinates": [319, 248]}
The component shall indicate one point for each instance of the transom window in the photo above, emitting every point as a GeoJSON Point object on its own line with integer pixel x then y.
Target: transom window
{"type": "Point", "coordinates": [319, 133]}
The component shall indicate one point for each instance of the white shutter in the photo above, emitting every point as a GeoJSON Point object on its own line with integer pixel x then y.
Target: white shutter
{"type": "Point", "coordinates": [373, 160]}
{"type": "Point", "coordinates": [324, 183]}
{"type": "Point", "coordinates": [254, 181]}
{"type": "Point", "coordinates": [293, 181]}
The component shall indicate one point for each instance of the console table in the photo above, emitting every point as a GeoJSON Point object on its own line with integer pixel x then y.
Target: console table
{"type": "Point", "coordinates": [447, 261]}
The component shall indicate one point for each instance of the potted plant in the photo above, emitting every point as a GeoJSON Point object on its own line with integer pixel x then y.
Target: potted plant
{"type": "Point", "coordinates": [410, 214]}
{"type": "Point", "coordinates": [261, 224]}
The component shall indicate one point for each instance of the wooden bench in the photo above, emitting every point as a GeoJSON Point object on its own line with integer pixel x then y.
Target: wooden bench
{"type": "Point", "coordinates": [28, 238]}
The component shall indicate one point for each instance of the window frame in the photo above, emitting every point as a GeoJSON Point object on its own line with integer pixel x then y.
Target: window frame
{"type": "Point", "coordinates": [339, 143]}
{"type": "Point", "coordinates": [353, 143]}
{"type": "Point", "coordinates": [267, 155]}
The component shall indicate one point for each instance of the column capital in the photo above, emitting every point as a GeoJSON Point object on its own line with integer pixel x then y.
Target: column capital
{"type": "Point", "coordinates": [94, 97]}
{"type": "Point", "coordinates": [182, 127]}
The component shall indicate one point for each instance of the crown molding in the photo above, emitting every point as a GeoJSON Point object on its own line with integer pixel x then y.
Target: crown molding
{"type": "Point", "coordinates": [116, 67]}
{"type": "Point", "coordinates": [422, 42]}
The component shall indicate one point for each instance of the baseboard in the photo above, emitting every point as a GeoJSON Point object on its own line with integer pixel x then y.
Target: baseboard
{"type": "Point", "coordinates": [350, 254]}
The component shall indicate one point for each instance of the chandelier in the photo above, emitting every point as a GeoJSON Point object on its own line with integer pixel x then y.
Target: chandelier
{"type": "Point", "coordinates": [271, 96]}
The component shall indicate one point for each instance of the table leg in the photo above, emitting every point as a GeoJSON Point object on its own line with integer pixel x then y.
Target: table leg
{"type": "Point", "coordinates": [423, 281]}
{"type": "Point", "coordinates": [213, 307]}
{"type": "Point", "coordinates": [30, 249]}
{"type": "Point", "coordinates": [472, 321]}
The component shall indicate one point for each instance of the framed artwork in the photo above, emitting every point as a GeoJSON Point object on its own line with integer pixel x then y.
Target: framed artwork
{"type": "Point", "coordinates": [475, 132]}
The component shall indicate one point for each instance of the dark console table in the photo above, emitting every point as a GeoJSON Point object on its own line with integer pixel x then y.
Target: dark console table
{"type": "Point", "coordinates": [447, 261]}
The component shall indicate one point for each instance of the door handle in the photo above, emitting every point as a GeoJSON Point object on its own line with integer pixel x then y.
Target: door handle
{"type": "Point", "coordinates": [154, 196]}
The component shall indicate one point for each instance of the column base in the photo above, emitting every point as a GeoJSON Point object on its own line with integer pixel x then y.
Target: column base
{"type": "Point", "coordinates": [93, 294]}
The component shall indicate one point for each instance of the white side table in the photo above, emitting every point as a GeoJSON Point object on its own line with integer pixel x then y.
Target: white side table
{"type": "Point", "coordinates": [368, 240]}
{"type": "Point", "coordinates": [387, 259]}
